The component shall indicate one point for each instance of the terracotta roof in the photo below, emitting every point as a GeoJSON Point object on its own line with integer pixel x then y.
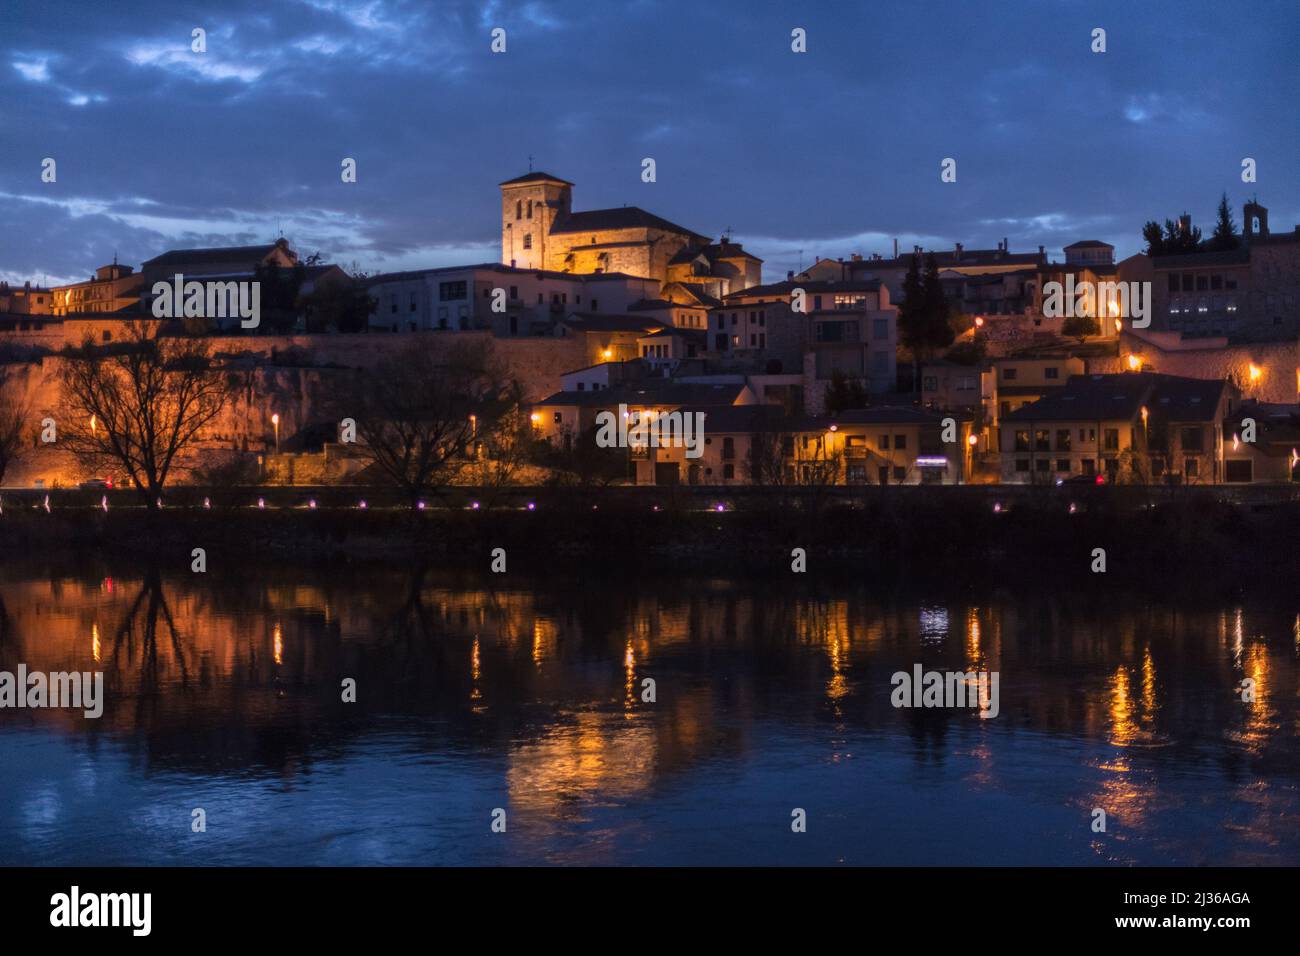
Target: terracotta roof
{"type": "Point", "coordinates": [538, 177]}
{"type": "Point", "coordinates": [1121, 397]}
{"type": "Point", "coordinates": [625, 217]}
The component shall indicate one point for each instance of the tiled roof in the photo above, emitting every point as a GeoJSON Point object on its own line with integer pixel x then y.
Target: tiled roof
{"type": "Point", "coordinates": [817, 287]}
{"type": "Point", "coordinates": [650, 393]}
{"type": "Point", "coordinates": [1121, 397]}
{"type": "Point", "coordinates": [222, 254]}
{"type": "Point", "coordinates": [538, 177]}
{"type": "Point", "coordinates": [625, 217]}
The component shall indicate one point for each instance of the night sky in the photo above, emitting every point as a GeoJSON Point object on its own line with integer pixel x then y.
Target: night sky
{"type": "Point", "coordinates": [826, 153]}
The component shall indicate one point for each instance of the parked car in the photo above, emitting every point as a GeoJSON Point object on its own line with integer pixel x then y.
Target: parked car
{"type": "Point", "coordinates": [1098, 479]}
{"type": "Point", "coordinates": [97, 484]}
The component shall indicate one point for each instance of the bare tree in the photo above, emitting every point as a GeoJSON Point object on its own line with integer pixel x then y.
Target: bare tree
{"type": "Point", "coordinates": [420, 415]}
{"type": "Point", "coordinates": [14, 413]}
{"type": "Point", "coordinates": [139, 403]}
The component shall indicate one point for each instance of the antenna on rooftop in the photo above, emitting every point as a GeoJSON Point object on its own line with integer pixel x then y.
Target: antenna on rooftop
{"type": "Point", "coordinates": [530, 162]}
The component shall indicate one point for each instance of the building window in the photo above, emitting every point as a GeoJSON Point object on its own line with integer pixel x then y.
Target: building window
{"type": "Point", "coordinates": [1042, 440]}
{"type": "Point", "coordinates": [884, 443]}
{"type": "Point", "coordinates": [880, 328]}
{"type": "Point", "coordinates": [1043, 464]}
{"type": "Point", "coordinates": [1063, 439]}
{"type": "Point", "coordinates": [452, 291]}
{"type": "Point", "coordinates": [1192, 440]}
{"type": "Point", "coordinates": [1192, 467]}
{"type": "Point", "coordinates": [1052, 372]}
{"type": "Point", "coordinates": [1022, 440]}
{"type": "Point", "coordinates": [528, 240]}
{"type": "Point", "coordinates": [1063, 464]}
{"type": "Point", "coordinates": [900, 442]}
{"type": "Point", "coordinates": [728, 472]}
{"type": "Point", "coordinates": [1110, 439]}
{"type": "Point", "coordinates": [1008, 374]}
{"type": "Point", "coordinates": [519, 209]}
{"type": "Point", "coordinates": [930, 383]}
{"type": "Point", "coordinates": [530, 209]}
{"type": "Point", "coordinates": [559, 418]}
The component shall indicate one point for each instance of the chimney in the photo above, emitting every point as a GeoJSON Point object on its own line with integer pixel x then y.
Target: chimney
{"type": "Point", "coordinates": [789, 276]}
{"type": "Point", "coordinates": [857, 257]}
{"type": "Point", "coordinates": [1006, 244]}
{"type": "Point", "coordinates": [1041, 252]}
{"type": "Point", "coordinates": [895, 248]}
{"type": "Point", "coordinates": [957, 256]}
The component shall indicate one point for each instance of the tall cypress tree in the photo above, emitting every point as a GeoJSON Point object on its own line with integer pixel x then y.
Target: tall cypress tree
{"type": "Point", "coordinates": [911, 317]}
{"type": "Point", "coordinates": [1225, 230]}
{"type": "Point", "coordinates": [938, 324]}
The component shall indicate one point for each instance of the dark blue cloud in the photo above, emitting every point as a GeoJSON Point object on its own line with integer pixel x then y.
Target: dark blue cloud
{"type": "Point", "coordinates": [824, 153]}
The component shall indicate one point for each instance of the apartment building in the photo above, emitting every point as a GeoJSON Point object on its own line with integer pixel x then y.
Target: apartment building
{"type": "Point", "coordinates": [1130, 427]}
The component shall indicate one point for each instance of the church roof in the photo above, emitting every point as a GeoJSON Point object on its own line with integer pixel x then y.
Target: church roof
{"type": "Point", "coordinates": [250, 254]}
{"type": "Point", "coordinates": [625, 217]}
{"type": "Point", "coordinates": [712, 252]}
{"type": "Point", "coordinates": [538, 177]}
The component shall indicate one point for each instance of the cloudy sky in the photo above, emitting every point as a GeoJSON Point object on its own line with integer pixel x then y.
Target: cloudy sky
{"type": "Point", "coordinates": [830, 152]}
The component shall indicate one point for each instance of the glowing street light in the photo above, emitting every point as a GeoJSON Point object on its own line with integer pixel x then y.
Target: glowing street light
{"type": "Point", "coordinates": [1256, 373]}
{"type": "Point", "coordinates": [275, 421]}
{"type": "Point", "coordinates": [1134, 362]}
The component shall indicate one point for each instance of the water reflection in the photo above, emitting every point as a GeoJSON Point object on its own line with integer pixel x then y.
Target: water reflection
{"type": "Point", "coordinates": [533, 695]}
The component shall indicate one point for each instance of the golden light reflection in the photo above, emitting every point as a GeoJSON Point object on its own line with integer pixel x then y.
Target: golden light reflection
{"type": "Point", "coordinates": [544, 632]}
{"type": "Point", "coordinates": [973, 651]}
{"type": "Point", "coordinates": [94, 642]}
{"type": "Point", "coordinates": [475, 671]}
{"type": "Point", "coordinates": [629, 667]}
{"type": "Point", "coordinates": [278, 646]}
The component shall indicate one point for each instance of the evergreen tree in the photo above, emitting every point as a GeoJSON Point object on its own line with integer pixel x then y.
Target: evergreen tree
{"type": "Point", "coordinates": [1225, 231]}
{"type": "Point", "coordinates": [1155, 238]}
{"type": "Point", "coordinates": [939, 333]}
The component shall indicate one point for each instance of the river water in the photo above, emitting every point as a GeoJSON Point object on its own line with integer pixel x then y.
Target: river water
{"type": "Point", "coordinates": [524, 701]}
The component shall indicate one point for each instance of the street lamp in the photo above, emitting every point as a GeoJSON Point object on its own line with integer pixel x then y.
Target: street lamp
{"type": "Point", "coordinates": [275, 420]}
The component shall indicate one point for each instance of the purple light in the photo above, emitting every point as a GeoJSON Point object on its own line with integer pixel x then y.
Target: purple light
{"type": "Point", "coordinates": [997, 507]}
{"type": "Point", "coordinates": [261, 502]}
{"type": "Point", "coordinates": [719, 507]}
{"type": "Point", "coordinates": [420, 505]}
{"type": "Point", "coordinates": [362, 506]}
{"type": "Point", "coordinates": [311, 503]}
{"type": "Point", "coordinates": [532, 506]}
{"type": "Point", "coordinates": [473, 506]}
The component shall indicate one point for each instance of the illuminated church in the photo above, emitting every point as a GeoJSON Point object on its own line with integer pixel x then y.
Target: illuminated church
{"type": "Point", "coordinates": [540, 230]}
